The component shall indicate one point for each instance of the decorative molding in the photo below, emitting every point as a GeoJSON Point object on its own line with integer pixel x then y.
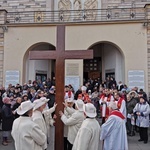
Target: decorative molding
{"type": "Point", "coordinates": [38, 16]}
{"type": "Point", "coordinates": [89, 6]}
{"type": "Point", "coordinates": [63, 6]}
{"type": "Point", "coordinates": [77, 6]}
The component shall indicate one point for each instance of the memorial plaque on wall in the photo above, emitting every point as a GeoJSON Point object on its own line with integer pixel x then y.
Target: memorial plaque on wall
{"type": "Point", "coordinates": [12, 77]}
{"type": "Point", "coordinates": [74, 81]}
{"type": "Point", "coordinates": [136, 79]}
{"type": "Point", "coordinates": [72, 69]}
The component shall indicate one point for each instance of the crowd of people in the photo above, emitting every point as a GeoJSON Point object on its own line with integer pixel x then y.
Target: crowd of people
{"type": "Point", "coordinates": [97, 111]}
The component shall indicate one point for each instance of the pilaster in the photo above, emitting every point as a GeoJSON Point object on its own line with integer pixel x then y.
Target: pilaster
{"type": "Point", "coordinates": [1, 54]}
{"type": "Point", "coordinates": [3, 16]}
{"type": "Point", "coordinates": [147, 11]}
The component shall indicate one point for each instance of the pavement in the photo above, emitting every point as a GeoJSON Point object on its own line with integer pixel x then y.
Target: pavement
{"type": "Point", "coordinates": [132, 143]}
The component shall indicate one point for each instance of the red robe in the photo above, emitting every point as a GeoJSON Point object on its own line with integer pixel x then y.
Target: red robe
{"type": "Point", "coordinates": [119, 102]}
{"type": "Point", "coordinates": [107, 108]}
{"type": "Point", "coordinates": [117, 113]}
{"type": "Point", "coordinates": [84, 97]}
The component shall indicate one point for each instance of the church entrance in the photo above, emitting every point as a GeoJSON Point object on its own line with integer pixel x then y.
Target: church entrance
{"type": "Point", "coordinates": [108, 61]}
{"type": "Point", "coordinates": [39, 69]}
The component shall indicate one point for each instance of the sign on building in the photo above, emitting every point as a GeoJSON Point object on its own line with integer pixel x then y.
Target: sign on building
{"type": "Point", "coordinates": [12, 77]}
{"type": "Point", "coordinates": [74, 81]}
{"type": "Point", "coordinates": [136, 79]}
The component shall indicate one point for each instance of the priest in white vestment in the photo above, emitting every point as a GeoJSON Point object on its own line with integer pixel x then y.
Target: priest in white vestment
{"type": "Point", "coordinates": [121, 104]}
{"type": "Point", "coordinates": [113, 131]}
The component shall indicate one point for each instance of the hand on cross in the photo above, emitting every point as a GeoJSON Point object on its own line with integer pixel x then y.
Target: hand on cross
{"type": "Point", "coordinates": [61, 113]}
{"type": "Point", "coordinates": [54, 117]}
{"type": "Point", "coordinates": [65, 104]}
{"type": "Point", "coordinates": [55, 105]}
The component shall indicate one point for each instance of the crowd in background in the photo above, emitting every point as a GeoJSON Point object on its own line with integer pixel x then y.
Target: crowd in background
{"type": "Point", "coordinates": [91, 91]}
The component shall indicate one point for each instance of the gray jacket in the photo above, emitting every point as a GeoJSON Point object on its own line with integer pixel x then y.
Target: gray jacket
{"type": "Point", "coordinates": [144, 110]}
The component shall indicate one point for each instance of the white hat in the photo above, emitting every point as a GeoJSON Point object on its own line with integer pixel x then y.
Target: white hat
{"type": "Point", "coordinates": [113, 105]}
{"type": "Point", "coordinates": [70, 100]}
{"type": "Point", "coordinates": [83, 88]}
{"type": "Point", "coordinates": [79, 104]}
{"type": "Point", "coordinates": [90, 110]}
{"type": "Point", "coordinates": [39, 102]}
{"type": "Point", "coordinates": [24, 107]}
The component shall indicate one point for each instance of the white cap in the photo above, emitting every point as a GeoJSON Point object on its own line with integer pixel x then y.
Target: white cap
{"type": "Point", "coordinates": [90, 110]}
{"type": "Point", "coordinates": [24, 107]}
{"type": "Point", "coordinates": [39, 102]}
{"type": "Point", "coordinates": [113, 105]}
{"type": "Point", "coordinates": [70, 100]}
{"type": "Point", "coordinates": [79, 104]}
{"type": "Point", "coordinates": [83, 88]}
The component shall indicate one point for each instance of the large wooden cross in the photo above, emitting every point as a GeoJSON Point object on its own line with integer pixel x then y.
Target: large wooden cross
{"type": "Point", "coordinates": [60, 54]}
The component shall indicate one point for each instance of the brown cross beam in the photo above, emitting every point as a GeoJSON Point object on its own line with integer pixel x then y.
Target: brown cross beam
{"type": "Point", "coordinates": [60, 54]}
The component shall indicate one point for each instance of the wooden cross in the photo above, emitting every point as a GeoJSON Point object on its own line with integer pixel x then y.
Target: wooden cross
{"type": "Point", "coordinates": [60, 54]}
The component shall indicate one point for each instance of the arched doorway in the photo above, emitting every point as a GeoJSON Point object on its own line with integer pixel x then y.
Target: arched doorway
{"type": "Point", "coordinates": [38, 69]}
{"type": "Point", "coordinates": [108, 61]}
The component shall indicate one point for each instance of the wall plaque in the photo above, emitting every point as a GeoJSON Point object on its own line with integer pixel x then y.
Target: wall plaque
{"type": "Point", "coordinates": [136, 79]}
{"type": "Point", "coordinates": [72, 69]}
{"type": "Point", "coordinates": [12, 77]}
{"type": "Point", "coordinates": [74, 81]}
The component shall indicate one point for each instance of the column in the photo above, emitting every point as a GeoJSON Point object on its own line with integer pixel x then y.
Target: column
{"type": "Point", "coordinates": [3, 29]}
{"type": "Point", "coordinates": [147, 25]}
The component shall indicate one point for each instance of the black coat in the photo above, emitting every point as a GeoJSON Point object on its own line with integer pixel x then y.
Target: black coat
{"type": "Point", "coordinates": [130, 105]}
{"type": "Point", "coordinates": [1, 102]}
{"type": "Point", "coordinates": [16, 105]}
{"type": "Point", "coordinates": [7, 117]}
{"type": "Point", "coordinates": [77, 93]}
{"type": "Point", "coordinates": [1, 105]}
{"type": "Point", "coordinates": [51, 101]}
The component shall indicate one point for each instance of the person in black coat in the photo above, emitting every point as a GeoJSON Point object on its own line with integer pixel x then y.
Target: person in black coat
{"type": "Point", "coordinates": [15, 107]}
{"type": "Point", "coordinates": [79, 91]}
{"type": "Point", "coordinates": [120, 86]}
{"type": "Point", "coordinates": [51, 97]}
{"type": "Point", "coordinates": [7, 120]}
{"type": "Point", "coordinates": [130, 104]}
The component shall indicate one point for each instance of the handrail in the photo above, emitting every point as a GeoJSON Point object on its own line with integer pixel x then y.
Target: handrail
{"type": "Point", "coordinates": [73, 16]}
